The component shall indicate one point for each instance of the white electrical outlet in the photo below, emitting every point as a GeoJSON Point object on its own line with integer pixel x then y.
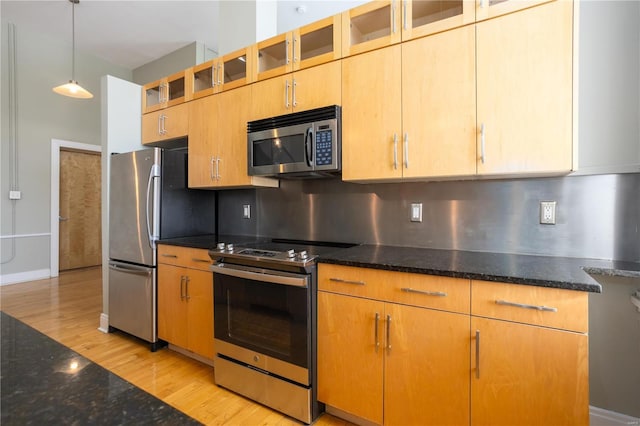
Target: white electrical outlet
{"type": "Point", "coordinates": [15, 195]}
{"type": "Point", "coordinates": [416, 212]}
{"type": "Point", "coordinates": [246, 211]}
{"type": "Point", "coordinates": [548, 212]}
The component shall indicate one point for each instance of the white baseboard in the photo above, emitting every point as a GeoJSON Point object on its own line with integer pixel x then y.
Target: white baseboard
{"type": "Point", "coordinates": [104, 323]}
{"type": "Point", "coordinates": [602, 417]}
{"type": "Point", "coordinates": [21, 277]}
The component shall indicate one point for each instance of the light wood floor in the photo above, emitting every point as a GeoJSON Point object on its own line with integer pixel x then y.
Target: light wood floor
{"type": "Point", "coordinates": [68, 308]}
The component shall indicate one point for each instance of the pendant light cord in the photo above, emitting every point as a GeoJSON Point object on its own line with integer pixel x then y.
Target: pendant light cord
{"type": "Point", "coordinates": [73, 40]}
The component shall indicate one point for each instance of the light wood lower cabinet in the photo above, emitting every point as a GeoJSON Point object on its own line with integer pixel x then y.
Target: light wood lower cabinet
{"type": "Point", "coordinates": [389, 363]}
{"type": "Point", "coordinates": [185, 299]}
{"type": "Point", "coordinates": [166, 124]}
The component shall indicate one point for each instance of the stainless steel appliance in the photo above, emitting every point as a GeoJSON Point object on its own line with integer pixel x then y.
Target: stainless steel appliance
{"type": "Point", "coordinates": [265, 323]}
{"type": "Point", "coordinates": [302, 144]}
{"type": "Point", "coordinates": [148, 200]}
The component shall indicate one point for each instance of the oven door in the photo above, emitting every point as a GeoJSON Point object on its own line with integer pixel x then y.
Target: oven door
{"type": "Point", "coordinates": [282, 150]}
{"type": "Point", "coordinates": [264, 311]}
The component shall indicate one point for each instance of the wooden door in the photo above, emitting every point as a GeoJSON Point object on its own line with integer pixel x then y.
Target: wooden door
{"type": "Point", "coordinates": [200, 312]}
{"type": "Point", "coordinates": [231, 136]}
{"type": "Point", "coordinates": [317, 87]}
{"type": "Point", "coordinates": [172, 306]}
{"type": "Point", "coordinates": [80, 230]}
{"type": "Point", "coordinates": [528, 375]}
{"type": "Point", "coordinates": [427, 368]}
{"type": "Point", "coordinates": [524, 81]}
{"type": "Point", "coordinates": [349, 364]}
{"type": "Point", "coordinates": [439, 104]}
{"type": "Point", "coordinates": [202, 151]}
{"type": "Point", "coordinates": [371, 115]}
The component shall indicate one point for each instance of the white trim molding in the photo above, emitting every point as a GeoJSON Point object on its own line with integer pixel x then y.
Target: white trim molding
{"type": "Point", "coordinates": [56, 145]}
{"type": "Point", "coordinates": [602, 417]}
{"type": "Point", "coordinates": [41, 234]}
{"type": "Point", "coordinates": [20, 277]}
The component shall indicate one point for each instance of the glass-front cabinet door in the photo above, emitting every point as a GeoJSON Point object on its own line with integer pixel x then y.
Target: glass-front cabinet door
{"type": "Point", "coordinates": [317, 43]}
{"type": "Point", "coordinates": [274, 56]}
{"type": "Point", "coordinates": [370, 26]}
{"type": "Point", "coordinates": [165, 92]}
{"type": "Point", "coordinates": [228, 72]}
{"type": "Point", "coordinates": [486, 9]}
{"type": "Point", "coordinates": [424, 17]}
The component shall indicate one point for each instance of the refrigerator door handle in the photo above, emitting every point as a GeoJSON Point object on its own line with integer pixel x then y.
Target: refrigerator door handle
{"type": "Point", "coordinates": [153, 174]}
{"type": "Point", "coordinates": [133, 269]}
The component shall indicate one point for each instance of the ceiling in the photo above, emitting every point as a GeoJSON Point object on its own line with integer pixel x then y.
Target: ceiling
{"type": "Point", "coordinates": [133, 33]}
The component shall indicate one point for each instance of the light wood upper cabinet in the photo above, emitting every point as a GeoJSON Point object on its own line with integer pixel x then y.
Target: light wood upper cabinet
{"type": "Point", "coordinates": [439, 105]}
{"type": "Point", "coordinates": [486, 9]}
{"type": "Point", "coordinates": [302, 90]}
{"type": "Point", "coordinates": [372, 115]}
{"type": "Point", "coordinates": [185, 299]}
{"type": "Point", "coordinates": [166, 92]}
{"type": "Point", "coordinates": [424, 17]}
{"type": "Point", "coordinates": [224, 73]}
{"type": "Point", "coordinates": [165, 124]}
{"type": "Point", "coordinates": [524, 91]}
{"type": "Point", "coordinates": [218, 141]}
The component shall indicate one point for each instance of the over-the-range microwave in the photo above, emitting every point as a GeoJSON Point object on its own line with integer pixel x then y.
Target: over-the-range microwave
{"type": "Point", "coordinates": [299, 145]}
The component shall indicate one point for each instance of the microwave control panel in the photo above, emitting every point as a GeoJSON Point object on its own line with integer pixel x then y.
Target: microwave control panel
{"type": "Point", "coordinates": [324, 149]}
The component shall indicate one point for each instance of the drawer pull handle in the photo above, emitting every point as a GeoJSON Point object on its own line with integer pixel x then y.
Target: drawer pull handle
{"type": "Point", "coordinates": [201, 260]}
{"type": "Point", "coordinates": [428, 293]}
{"type": "Point", "coordinates": [376, 331]}
{"type": "Point", "coordinates": [169, 255]}
{"type": "Point", "coordinates": [522, 305]}
{"type": "Point", "coordinates": [340, 280]}
{"type": "Point", "coordinates": [477, 354]}
{"type": "Point", "coordinates": [388, 334]}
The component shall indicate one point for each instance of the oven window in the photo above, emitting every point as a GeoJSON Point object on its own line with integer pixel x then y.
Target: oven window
{"type": "Point", "coordinates": [263, 317]}
{"type": "Point", "coordinates": [282, 150]}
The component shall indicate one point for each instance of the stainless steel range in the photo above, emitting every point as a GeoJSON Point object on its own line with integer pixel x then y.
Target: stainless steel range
{"type": "Point", "coordinates": [265, 323]}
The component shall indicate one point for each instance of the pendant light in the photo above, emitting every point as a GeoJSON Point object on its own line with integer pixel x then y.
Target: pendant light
{"type": "Point", "coordinates": [72, 88]}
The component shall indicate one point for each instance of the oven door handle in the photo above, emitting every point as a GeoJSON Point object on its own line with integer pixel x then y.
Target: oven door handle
{"type": "Point", "coordinates": [263, 275]}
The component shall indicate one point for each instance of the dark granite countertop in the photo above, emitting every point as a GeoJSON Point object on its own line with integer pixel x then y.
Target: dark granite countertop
{"type": "Point", "coordinates": [545, 271]}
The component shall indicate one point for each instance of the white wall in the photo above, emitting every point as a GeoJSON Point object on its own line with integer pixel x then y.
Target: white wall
{"type": "Point", "coordinates": [41, 115]}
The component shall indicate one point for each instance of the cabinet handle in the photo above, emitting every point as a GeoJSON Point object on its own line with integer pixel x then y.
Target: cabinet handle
{"type": "Point", "coordinates": [186, 286]}
{"type": "Point", "coordinates": [181, 287]}
{"type": "Point", "coordinates": [393, 16]}
{"type": "Point", "coordinates": [395, 151]}
{"type": "Point", "coordinates": [201, 260]}
{"type": "Point", "coordinates": [482, 143]}
{"type": "Point", "coordinates": [293, 92]}
{"type": "Point", "coordinates": [286, 94]}
{"type": "Point", "coordinates": [219, 73]}
{"type": "Point", "coordinates": [167, 93]}
{"type": "Point", "coordinates": [340, 280]}
{"type": "Point", "coordinates": [163, 129]}
{"type": "Point", "coordinates": [376, 331]}
{"type": "Point", "coordinates": [406, 150]}
{"type": "Point", "coordinates": [286, 51]}
{"type": "Point", "coordinates": [211, 173]}
{"type": "Point", "coordinates": [295, 58]}
{"type": "Point", "coordinates": [477, 354]}
{"type": "Point", "coordinates": [404, 15]}
{"type": "Point", "coordinates": [218, 168]}
{"type": "Point", "coordinates": [525, 306]}
{"type": "Point", "coordinates": [428, 293]}
{"type": "Point", "coordinates": [169, 255]}
{"type": "Point", "coordinates": [213, 76]}
{"type": "Point", "coordinates": [388, 334]}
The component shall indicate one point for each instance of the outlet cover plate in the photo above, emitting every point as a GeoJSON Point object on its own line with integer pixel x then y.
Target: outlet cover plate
{"type": "Point", "coordinates": [246, 211]}
{"type": "Point", "coordinates": [548, 212]}
{"type": "Point", "coordinates": [416, 212]}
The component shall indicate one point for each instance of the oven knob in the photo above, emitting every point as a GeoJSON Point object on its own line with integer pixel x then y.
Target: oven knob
{"type": "Point", "coordinates": [291, 254]}
{"type": "Point", "coordinates": [303, 255]}
{"type": "Point", "coordinates": [220, 246]}
{"type": "Point", "coordinates": [230, 248]}
{"type": "Point", "coordinates": [256, 358]}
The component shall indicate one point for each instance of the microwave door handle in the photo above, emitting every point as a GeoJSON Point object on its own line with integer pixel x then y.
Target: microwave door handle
{"type": "Point", "coordinates": [308, 146]}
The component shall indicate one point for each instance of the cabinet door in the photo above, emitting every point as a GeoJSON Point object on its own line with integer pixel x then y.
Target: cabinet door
{"type": "Point", "coordinates": [153, 96]}
{"type": "Point", "coordinates": [274, 56]}
{"type": "Point", "coordinates": [204, 78]}
{"type": "Point", "coordinates": [202, 153]}
{"type": "Point", "coordinates": [371, 26]}
{"type": "Point", "coordinates": [528, 375]}
{"type": "Point", "coordinates": [231, 135]}
{"type": "Point", "coordinates": [317, 87]}
{"type": "Point", "coordinates": [271, 97]}
{"type": "Point", "coordinates": [524, 80]}
{"type": "Point", "coordinates": [172, 309]}
{"type": "Point", "coordinates": [234, 69]}
{"type": "Point", "coordinates": [200, 312]}
{"type": "Point", "coordinates": [178, 89]}
{"type": "Point", "coordinates": [371, 115]}
{"type": "Point", "coordinates": [151, 127]}
{"type": "Point", "coordinates": [486, 9]}
{"type": "Point", "coordinates": [349, 362]}
{"type": "Point", "coordinates": [439, 104]}
{"type": "Point", "coordinates": [421, 18]}
{"type": "Point", "coordinates": [426, 367]}
{"type": "Point", "coordinates": [317, 43]}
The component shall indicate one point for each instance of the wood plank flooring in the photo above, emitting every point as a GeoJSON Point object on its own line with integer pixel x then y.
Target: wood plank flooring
{"type": "Point", "coordinates": [68, 308]}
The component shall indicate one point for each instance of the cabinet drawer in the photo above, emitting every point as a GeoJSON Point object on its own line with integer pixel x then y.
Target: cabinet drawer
{"type": "Point", "coordinates": [548, 307]}
{"type": "Point", "coordinates": [449, 294]}
{"type": "Point", "coordinates": [187, 257]}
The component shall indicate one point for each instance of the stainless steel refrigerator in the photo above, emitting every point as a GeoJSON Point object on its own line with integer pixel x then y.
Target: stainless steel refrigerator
{"type": "Point", "coordinates": [148, 200]}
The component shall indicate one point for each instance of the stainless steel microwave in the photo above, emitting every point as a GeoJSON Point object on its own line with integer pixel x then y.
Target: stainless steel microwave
{"type": "Point", "coordinates": [299, 145]}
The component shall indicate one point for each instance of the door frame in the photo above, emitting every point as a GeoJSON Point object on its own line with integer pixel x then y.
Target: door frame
{"type": "Point", "coordinates": [56, 146]}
